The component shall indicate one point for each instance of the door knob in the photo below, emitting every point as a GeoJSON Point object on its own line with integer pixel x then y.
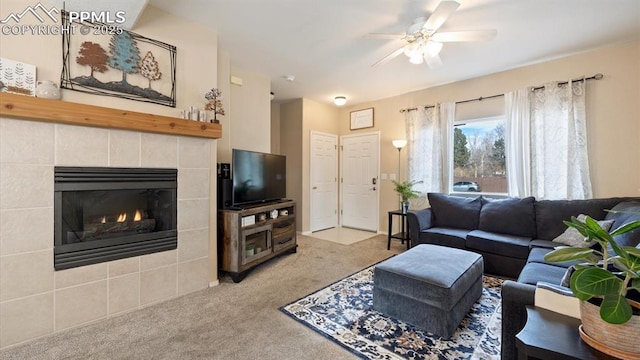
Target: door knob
{"type": "Point", "coordinates": [315, 187]}
{"type": "Point", "coordinates": [373, 188]}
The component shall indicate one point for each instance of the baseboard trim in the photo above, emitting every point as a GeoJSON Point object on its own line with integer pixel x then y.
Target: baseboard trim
{"type": "Point", "coordinates": [214, 283]}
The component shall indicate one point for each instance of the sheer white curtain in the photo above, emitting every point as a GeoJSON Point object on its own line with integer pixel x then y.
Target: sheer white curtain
{"type": "Point", "coordinates": [559, 162]}
{"type": "Point", "coordinates": [517, 142]}
{"type": "Point", "coordinates": [424, 156]}
{"type": "Point", "coordinates": [447, 117]}
{"type": "Point", "coordinates": [558, 159]}
{"type": "Point", "coordinates": [430, 146]}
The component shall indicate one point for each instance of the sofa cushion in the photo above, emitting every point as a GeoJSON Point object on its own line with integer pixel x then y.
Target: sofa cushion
{"type": "Point", "coordinates": [455, 211]}
{"type": "Point", "coordinates": [572, 236]}
{"type": "Point", "coordinates": [536, 255]}
{"type": "Point", "coordinates": [631, 213]}
{"type": "Point", "coordinates": [499, 244]}
{"type": "Point", "coordinates": [534, 272]}
{"type": "Point", "coordinates": [444, 236]}
{"type": "Point", "coordinates": [551, 213]}
{"type": "Point", "coordinates": [511, 216]}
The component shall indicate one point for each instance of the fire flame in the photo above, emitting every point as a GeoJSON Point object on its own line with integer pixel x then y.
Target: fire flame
{"type": "Point", "coordinates": [123, 217]}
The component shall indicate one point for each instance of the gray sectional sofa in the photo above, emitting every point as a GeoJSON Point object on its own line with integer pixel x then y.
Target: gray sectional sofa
{"type": "Point", "coordinates": [513, 235]}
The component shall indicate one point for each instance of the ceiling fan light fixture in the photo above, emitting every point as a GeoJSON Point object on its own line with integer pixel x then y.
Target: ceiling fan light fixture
{"type": "Point", "coordinates": [340, 100]}
{"type": "Point", "coordinates": [417, 58]}
{"type": "Point", "coordinates": [432, 49]}
{"type": "Point", "coordinates": [411, 49]}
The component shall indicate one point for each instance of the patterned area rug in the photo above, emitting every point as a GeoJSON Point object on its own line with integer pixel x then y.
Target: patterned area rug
{"type": "Point", "coordinates": [343, 312]}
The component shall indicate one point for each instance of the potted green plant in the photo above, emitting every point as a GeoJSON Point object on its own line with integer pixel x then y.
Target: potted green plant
{"type": "Point", "coordinates": [406, 192]}
{"type": "Point", "coordinates": [607, 283]}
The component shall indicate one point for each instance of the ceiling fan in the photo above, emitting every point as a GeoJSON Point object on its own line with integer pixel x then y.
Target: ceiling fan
{"type": "Point", "coordinates": [424, 42]}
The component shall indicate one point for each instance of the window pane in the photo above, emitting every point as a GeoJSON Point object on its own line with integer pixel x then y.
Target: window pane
{"type": "Point", "coordinates": [479, 156]}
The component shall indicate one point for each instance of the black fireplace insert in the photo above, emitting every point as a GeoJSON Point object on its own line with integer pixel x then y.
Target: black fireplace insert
{"type": "Point", "coordinates": [103, 214]}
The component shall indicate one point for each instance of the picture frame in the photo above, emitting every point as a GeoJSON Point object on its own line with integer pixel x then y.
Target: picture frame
{"type": "Point", "coordinates": [107, 60]}
{"type": "Point", "coordinates": [361, 119]}
{"type": "Point", "coordinates": [17, 77]}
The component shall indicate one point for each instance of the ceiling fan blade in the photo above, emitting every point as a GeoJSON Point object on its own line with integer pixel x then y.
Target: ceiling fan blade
{"type": "Point", "coordinates": [433, 61]}
{"type": "Point", "coordinates": [389, 57]}
{"type": "Point", "coordinates": [384, 36]}
{"type": "Point", "coordinates": [471, 35]}
{"type": "Point", "coordinates": [440, 15]}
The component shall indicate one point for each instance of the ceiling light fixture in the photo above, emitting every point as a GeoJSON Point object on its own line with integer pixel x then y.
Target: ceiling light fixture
{"type": "Point", "coordinates": [422, 49]}
{"type": "Point", "coordinates": [340, 100]}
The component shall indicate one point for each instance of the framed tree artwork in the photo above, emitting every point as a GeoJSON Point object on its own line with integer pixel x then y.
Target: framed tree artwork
{"type": "Point", "coordinates": [110, 61]}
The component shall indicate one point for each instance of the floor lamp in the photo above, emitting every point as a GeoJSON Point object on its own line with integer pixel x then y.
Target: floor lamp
{"type": "Point", "coordinates": [399, 144]}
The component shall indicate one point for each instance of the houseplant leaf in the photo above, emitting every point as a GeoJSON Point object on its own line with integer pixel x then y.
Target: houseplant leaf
{"type": "Point", "coordinates": [576, 291]}
{"type": "Point", "coordinates": [631, 264]}
{"type": "Point", "coordinates": [405, 189]}
{"type": "Point", "coordinates": [618, 250]}
{"type": "Point", "coordinates": [626, 228]}
{"type": "Point", "coordinates": [565, 254]}
{"type": "Point", "coordinates": [615, 309]}
{"type": "Point", "coordinates": [632, 250]}
{"type": "Point", "coordinates": [595, 281]}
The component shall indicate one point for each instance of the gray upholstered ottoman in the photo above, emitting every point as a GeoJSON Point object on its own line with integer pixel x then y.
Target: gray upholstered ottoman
{"type": "Point", "coordinates": [431, 287]}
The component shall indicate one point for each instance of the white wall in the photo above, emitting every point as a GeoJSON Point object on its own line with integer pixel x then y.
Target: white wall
{"type": "Point", "coordinates": [251, 108]}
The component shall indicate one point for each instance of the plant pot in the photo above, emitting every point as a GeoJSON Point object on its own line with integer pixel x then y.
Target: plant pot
{"type": "Point", "coordinates": [404, 206]}
{"type": "Point", "coordinates": [619, 340]}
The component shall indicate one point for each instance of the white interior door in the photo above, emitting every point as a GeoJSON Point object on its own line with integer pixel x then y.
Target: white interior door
{"type": "Point", "coordinates": [324, 181]}
{"type": "Point", "coordinates": [360, 183]}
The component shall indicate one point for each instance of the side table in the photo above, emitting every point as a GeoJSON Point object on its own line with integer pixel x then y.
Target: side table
{"type": "Point", "coordinates": [552, 336]}
{"type": "Point", "coordinates": [403, 235]}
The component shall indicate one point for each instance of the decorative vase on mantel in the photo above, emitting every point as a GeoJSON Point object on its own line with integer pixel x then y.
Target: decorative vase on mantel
{"type": "Point", "coordinates": [47, 89]}
{"type": "Point", "coordinates": [619, 340]}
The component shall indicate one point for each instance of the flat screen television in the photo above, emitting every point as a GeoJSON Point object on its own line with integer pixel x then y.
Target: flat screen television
{"type": "Point", "coordinates": [257, 177]}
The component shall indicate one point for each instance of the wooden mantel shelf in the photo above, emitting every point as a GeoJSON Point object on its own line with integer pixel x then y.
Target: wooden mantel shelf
{"type": "Point", "coordinates": [33, 108]}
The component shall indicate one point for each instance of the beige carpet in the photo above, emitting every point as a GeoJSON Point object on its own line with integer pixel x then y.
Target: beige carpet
{"type": "Point", "coordinates": [229, 321]}
{"type": "Point", "coordinates": [342, 235]}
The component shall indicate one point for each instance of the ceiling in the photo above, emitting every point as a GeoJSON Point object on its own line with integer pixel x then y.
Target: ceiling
{"type": "Point", "coordinates": [323, 42]}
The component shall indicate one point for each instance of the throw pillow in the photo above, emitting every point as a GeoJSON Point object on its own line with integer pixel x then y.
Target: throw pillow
{"type": "Point", "coordinates": [566, 278]}
{"type": "Point", "coordinates": [630, 212]}
{"type": "Point", "coordinates": [511, 216]}
{"type": "Point", "coordinates": [455, 211]}
{"type": "Point", "coordinates": [572, 237]}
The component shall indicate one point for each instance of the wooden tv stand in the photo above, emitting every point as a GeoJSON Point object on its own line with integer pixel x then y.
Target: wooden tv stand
{"type": "Point", "coordinates": [250, 236]}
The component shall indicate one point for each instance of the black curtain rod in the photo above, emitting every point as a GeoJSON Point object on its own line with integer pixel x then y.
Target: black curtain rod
{"type": "Point", "coordinates": [597, 76]}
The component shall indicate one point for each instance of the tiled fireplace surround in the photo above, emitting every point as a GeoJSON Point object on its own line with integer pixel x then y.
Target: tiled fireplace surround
{"type": "Point", "coordinates": [35, 300]}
